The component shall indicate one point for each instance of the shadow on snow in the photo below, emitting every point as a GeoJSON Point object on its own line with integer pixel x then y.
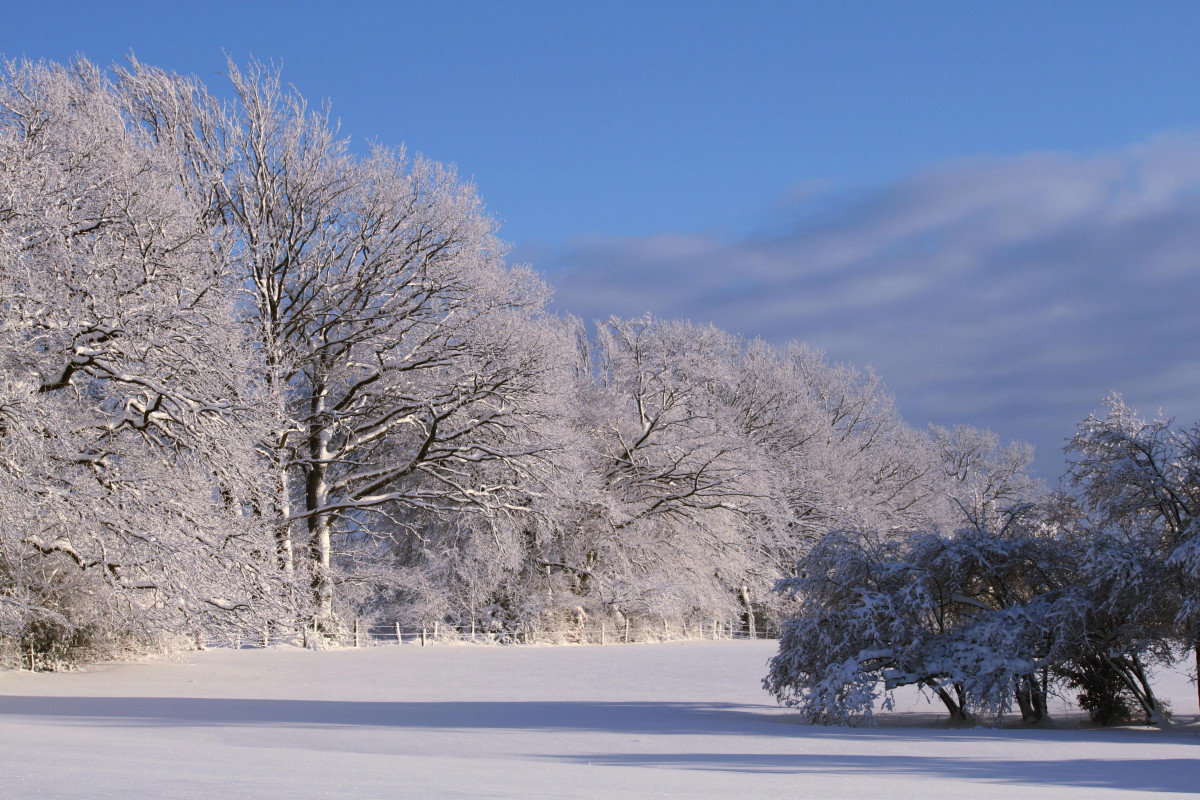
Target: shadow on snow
{"type": "Point", "coordinates": [654, 718]}
{"type": "Point", "coordinates": [1139, 775]}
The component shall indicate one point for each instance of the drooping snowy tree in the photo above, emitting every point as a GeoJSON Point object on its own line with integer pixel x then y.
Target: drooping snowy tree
{"type": "Point", "coordinates": [958, 605]}
{"type": "Point", "coordinates": [966, 616]}
{"type": "Point", "coordinates": [1017, 591]}
{"type": "Point", "coordinates": [127, 467]}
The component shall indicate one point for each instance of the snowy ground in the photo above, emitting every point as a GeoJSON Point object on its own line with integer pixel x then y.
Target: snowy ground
{"type": "Point", "coordinates": [671, 720]}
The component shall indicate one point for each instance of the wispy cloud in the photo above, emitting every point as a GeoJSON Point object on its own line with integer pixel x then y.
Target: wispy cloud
{"type": "Point", "coordinates": [1008, 293]}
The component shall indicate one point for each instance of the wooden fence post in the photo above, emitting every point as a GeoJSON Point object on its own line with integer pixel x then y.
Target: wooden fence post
{"type": "Point", "coordinates": [422, 637]}
{"type": "Point", "coordinates": [602, 632]}
{"type": "Point", "coordinates": [399, 638]}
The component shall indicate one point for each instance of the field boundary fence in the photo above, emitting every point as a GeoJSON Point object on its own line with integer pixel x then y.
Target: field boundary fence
{"type": "Point", "coordinates": [604, 632]}
{"type": "Point", "coordinates": [362, 633]}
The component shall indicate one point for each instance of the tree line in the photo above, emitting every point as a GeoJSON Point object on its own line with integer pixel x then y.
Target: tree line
{"type": "Point", "coordinates": [252, 380]}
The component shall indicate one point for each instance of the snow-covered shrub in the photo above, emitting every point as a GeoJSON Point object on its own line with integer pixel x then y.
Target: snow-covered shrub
{"type": "Point", "coordinates": [862, 617]}
{"type": "Point", "coordinates": [1091, 590]}
{"type": "Point", "coordinates": [945, 613]}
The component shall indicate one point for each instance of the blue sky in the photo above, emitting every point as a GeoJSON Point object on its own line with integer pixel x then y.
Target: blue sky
{"type": "Point", "coordinates": [997, 205]}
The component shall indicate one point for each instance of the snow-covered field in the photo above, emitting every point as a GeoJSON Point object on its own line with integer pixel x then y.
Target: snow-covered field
{"type": "Point", "coordinates": [670, 720]}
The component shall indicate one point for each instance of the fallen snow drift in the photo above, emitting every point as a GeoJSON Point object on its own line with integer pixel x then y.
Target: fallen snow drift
{"type": "Point", "coordinates": [686, 719]}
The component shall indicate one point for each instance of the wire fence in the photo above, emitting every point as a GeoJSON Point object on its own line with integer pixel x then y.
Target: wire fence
{"type": "Point", "coordinates": [603, 632]}
{"type": "Point", "coordinates": [362, 633]}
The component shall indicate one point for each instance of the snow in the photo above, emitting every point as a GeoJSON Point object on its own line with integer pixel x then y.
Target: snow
{"type": "Point", "coordinates": [686, 719]}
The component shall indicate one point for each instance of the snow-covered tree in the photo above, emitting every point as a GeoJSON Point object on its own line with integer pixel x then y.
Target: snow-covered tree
{"type": "Point", "coordinates": [964, 616]}
{"type": "Point", "coordinates": [1139, 489]}
{"type": "Point", "coordinates": [957, 604]}
{"type": "Point", "coordinates": [665, 486]}
{"type": "Point", "coordinates": [126, 425]}
{"type": "Point", "coordinates": [989, 488]}
{"type": "Point", "coordinates": [402, 352]}
{"type": "Point", "coordinates": [1091, 590]}
{"type": "Point", "coordinates": [710, 463]}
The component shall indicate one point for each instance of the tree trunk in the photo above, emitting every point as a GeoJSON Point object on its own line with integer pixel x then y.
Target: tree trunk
{"type": "Point", "coordinates": [316, 495]}
{"type": "Point", "coordinates": [1133, 675]}
{"type": "Point", "coordinates": [1031, 697]}
{"type": "Point", "coordinates": [955, 707]}
{"type": "Point", "coordinates": [744, 596]}
{"type": "Point", "coordinates": [283, 533]}
{"type": "Point", "coordinates": [320, 547]}
{"type": "Point", "coordinates": [322, 581]}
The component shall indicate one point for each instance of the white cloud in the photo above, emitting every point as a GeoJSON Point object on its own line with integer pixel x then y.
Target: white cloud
{"type": "Point", "coordinates": [1008, 293]}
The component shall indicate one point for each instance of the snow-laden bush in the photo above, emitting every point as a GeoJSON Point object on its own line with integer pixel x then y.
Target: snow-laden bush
{"type": "Point", "coordinates": [1090, 591]}
{"type": "Point", "coordinates": [940, 612]}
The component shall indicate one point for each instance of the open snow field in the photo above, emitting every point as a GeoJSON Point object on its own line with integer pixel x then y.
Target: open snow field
{"type": "Point", "coordinates": [670, 720]}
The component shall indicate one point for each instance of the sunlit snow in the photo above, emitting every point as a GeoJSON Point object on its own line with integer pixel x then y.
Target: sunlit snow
{"type": "Point", "coordinates": [681, 720]}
